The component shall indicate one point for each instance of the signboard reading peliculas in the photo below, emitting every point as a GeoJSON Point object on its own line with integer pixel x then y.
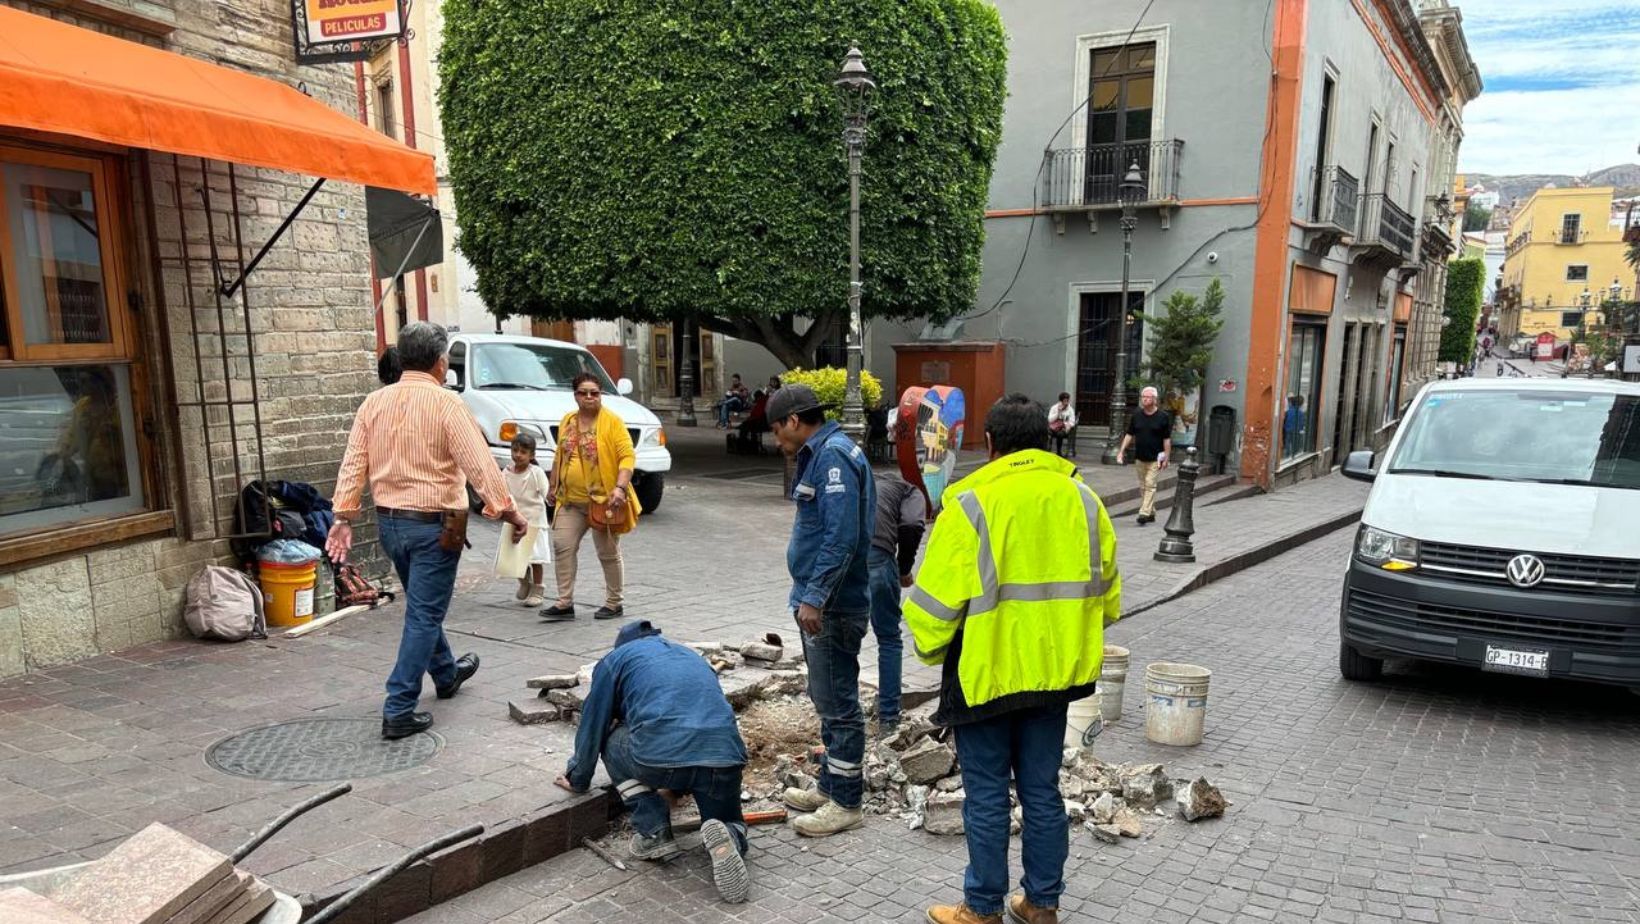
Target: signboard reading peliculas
{"type": "Point", "coordinates": [344, 30]}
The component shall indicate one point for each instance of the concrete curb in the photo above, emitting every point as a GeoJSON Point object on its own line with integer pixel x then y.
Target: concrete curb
{"type": "Point", "coordinates": [503, 849]}
{"type": "Point", "coordinates": [1241, 562]}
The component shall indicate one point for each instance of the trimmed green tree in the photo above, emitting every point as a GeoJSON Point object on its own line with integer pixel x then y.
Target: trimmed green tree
{"type": "Point", "coordinates": [1464, 281]}
{"type": "Point", "coordinates": [1181, 346]}
{"type": "Point", "coordinates": [655, 161]}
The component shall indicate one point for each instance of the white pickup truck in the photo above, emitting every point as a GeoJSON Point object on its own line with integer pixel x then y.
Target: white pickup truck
{"type": "Point", "coordinates": [522, 383]}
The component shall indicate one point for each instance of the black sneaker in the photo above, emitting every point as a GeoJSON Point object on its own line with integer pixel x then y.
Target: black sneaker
{"type": "Point", "coordinates": [404, 726]}
{"type": "Point", "coordinates": [466, 667]}
{"type": "Point", "coordinates": [557, 613]}
{"type": "Point", "coordinates": [609, 612]}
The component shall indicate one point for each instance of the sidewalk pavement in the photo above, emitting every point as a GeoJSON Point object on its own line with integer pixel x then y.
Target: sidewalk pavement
{"type": "Point", "coordinates": [92, 752]}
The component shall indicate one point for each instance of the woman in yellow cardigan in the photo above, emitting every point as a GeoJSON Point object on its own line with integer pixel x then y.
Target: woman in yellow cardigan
{"type": "Point", "coordinates": [593, 463]}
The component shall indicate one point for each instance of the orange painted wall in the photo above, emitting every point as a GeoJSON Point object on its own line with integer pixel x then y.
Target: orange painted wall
{"type": "Point", "coordinates": [976, 368]}
{"type": "Point", "coordinates": [1270, 255]}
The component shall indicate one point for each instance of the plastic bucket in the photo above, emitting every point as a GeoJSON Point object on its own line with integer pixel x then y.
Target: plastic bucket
{"type": "Point", "coordinates": [288, 592]}
{"type": "Point", "coordinates": [1084, 720]}
{"type": "Point", "coordinates": [1176, 702]}
{"type": "Point", "coordinates": [1113, 680]}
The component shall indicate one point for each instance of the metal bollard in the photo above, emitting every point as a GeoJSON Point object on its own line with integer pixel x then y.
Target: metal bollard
{"type": "Point", "coordinates": [1175, 546]}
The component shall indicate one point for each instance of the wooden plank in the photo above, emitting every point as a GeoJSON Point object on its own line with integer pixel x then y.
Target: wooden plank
{"type": "Point", "coordinates": [323, 621]}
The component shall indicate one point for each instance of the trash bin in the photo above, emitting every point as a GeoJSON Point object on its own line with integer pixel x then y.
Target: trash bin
{"type": "Point", "coordinates": [1221, 430]}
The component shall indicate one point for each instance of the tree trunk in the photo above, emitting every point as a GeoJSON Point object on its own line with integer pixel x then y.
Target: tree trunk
{"type": "Point", "coordinates": [779, 335]}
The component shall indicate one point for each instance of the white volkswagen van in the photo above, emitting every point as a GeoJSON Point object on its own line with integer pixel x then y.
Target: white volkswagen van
{"type": "Point", "coordinates": [1502, 532]}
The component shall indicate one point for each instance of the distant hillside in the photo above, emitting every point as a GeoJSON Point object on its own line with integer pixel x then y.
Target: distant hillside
{"type": "Point", "coordinates": [1626, 177]}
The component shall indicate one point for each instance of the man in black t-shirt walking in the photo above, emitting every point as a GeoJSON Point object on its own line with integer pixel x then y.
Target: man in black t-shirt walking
{"type": "Point", "coordinates": [1150, 434]}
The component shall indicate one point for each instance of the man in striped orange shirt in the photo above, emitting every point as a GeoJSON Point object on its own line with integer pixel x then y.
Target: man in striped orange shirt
{"type": "Point", "coordinates": [418, 447]}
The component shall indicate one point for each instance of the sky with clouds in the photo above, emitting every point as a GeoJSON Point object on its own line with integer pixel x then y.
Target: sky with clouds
{"type": "Point", "coordinates": [1562, 85]}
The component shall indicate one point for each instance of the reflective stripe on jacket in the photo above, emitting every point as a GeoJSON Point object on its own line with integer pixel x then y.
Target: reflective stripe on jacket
{"type": "Point", "coordinates": [1016, 586]}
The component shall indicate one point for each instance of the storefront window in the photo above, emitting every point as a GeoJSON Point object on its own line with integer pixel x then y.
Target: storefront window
{"type": "Point", "coordinates": [1397, 359]}
{"type": "Point", "coordinates": [56, 254]}
{"type": "Point", "coordinates": [68, 417]}
{"type": "Point", "coordinates": [1301, 417]}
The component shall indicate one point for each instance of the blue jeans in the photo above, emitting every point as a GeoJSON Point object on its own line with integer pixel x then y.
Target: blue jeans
{"type": "Point", "coordinates": [728, 406]}
{"type": "Point", "coordinates": [716, 789]}
{"type": "Point", "coordinates": [834, 687]}
{"type": "Point", "coordinates": [1030, 743]}
{"type": "Point", "coordinates": [885, 624]}
{"type": "Point", "coordinates": [428, 574]}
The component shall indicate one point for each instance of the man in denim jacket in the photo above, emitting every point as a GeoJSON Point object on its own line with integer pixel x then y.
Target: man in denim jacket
{"type": "Point", "coordinates": [831, 596]}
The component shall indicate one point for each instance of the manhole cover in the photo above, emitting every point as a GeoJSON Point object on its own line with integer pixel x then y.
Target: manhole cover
{"type": "Point", "coordinates": [319, 750]}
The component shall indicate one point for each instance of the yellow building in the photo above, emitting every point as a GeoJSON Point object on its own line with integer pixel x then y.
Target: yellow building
{"type": "Point", "coordinates": [1563, 255]}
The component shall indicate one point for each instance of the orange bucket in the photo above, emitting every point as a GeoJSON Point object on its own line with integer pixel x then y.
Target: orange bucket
{"type": "Point", "coordinates": [288, 591]}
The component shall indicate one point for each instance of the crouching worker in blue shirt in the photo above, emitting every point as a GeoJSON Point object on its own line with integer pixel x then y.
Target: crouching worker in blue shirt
{"type": "Point", "coordinates": [657, 716]}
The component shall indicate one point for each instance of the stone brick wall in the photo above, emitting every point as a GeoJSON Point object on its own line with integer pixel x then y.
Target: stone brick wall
{"type": "Point", "coordinates": [311, 319]}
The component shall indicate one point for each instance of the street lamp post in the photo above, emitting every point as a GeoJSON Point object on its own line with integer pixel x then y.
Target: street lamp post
{"type": "Point", "coordinates": [1131, 190]}
{"type": "Point", "coordinates": [686, 380]}
{"type": "Point", "coordinates": [854, 86]}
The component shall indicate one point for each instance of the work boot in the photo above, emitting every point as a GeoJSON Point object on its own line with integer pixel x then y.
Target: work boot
{"type": "Point", "coordinates": [728, 866]}
{"type": "Point", "coordinates": [961, 914]}
{"type": "Point", "coordinates": [1021, 911]}
{"type": "Point", "coordinates": [830, 819]}
{"type": "Point", "coordinates": [654, 846]}
{"type": "Point", "coordinates": [805, 800]}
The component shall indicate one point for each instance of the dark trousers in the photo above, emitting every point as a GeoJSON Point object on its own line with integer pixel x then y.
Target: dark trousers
{"type": "Point", "coordinates": [428, 574]}
{"type": "Point", "coordinates": [1027, 745]}
{"type": "Point", "coordinates": [834, 686]}
{"type": "Point", "coordinates": [885, 625]}
{"type": "Point", "coordinates": [716, 790]}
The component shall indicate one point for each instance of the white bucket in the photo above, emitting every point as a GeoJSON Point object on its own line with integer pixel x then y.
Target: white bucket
{"type": "Point", "coordinates": [1176, 696]}
{"type": "Point", "coordinates": [1084, 721]}
{"type": "Point", "coordinates": [1113, 680]}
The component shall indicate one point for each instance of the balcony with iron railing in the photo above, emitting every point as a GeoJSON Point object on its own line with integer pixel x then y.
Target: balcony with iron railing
{"type": "Point", "coordinates": [1387, 232]}
{"type": "Point", "coordinates": [1089, 179]}
{"type": "Point", "coordinates": [1334, 214]}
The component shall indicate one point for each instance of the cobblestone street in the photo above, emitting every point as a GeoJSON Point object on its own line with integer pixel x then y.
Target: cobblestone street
{"type": "Point", "coordinates": [1439, 794]}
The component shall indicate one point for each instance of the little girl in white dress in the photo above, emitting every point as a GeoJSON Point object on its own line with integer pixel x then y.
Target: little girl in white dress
{"type": "Point", "coordinates": [528, 485]}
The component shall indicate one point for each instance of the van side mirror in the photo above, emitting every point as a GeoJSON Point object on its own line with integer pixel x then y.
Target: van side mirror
{"type": "Point", "coordinates": [1359, 466]}
{"type": "Point", "coordinates": [623, 387]}
{"type": "Point", "coordinates": [451, 380]}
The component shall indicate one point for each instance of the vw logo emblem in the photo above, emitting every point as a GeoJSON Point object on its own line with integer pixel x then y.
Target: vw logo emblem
{"type": "Point", "coordinates": [1525, 570]}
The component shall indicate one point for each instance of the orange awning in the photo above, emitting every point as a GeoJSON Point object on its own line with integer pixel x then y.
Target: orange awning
{"type": "Point", "coordinates": [60, 78]}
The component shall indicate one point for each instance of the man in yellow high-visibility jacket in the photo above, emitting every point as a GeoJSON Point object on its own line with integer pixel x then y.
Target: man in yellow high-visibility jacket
{"type": "Point", "coordinates": [1015, 589]}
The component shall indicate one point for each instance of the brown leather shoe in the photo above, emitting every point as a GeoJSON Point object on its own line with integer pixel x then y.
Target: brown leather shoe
{"type": "Point", "coordinates": [960, 914]}
{"type": "Point", "coordinates": [1021, 911]}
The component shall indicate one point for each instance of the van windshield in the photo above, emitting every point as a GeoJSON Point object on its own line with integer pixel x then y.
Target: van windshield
{"type": "Point", "coordinates": [533, 367]}
{"type": "Point", "coordinates": [1558, 437]}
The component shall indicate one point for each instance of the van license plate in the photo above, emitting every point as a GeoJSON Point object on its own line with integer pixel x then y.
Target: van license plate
{"type": "Point", "coordinates": [1515, 661]}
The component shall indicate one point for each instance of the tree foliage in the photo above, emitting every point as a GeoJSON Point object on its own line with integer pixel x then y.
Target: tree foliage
{"type": "Point", "coordinates": [1464, 281]}
{"type": "Point", "coordinates": [1181, 346]}
{"type": "Point", "coordinates": [615, 158]}
{"type": "Point", "coordinates": [831, 383]}
{"type": "Point", "coordinates": [1476, 218]}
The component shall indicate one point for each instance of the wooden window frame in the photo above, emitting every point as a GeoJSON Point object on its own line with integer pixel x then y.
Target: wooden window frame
{"type": "Point", "coordinates": [116, 243]}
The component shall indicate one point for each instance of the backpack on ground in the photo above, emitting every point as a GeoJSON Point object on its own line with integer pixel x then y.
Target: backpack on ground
{"type": "Point", "coordinates": [225, 604]}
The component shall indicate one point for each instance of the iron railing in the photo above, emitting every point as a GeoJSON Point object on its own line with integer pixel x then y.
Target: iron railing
{"type": "Point", "coordinates": [1091, 177]}
{"type": "Point", "coordinates": [1385, 224]}
{"type": "Point", "coordinates": [1340, 199]}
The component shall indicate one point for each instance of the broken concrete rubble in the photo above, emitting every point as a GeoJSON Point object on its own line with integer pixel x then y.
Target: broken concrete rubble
{"type": "Point", "coordinates": [1127, 822]}
{"type": "Point", "coordinates": [1201, 799]}
{"type": "Point", "coordinates": [927, 762]}
{"type": "Point", "coordinates": [943, 814]}
{"type": "Point", "coordinates": [1110, 834]}
{"type": "Point", "coordinates": [533, 711]}
{"type": "Point", "coordinates": [552, 682]}
{"type": "Point", "coordinates": [1146, 786]}
{"type": "Point", "coordinates": [1103, 810]}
